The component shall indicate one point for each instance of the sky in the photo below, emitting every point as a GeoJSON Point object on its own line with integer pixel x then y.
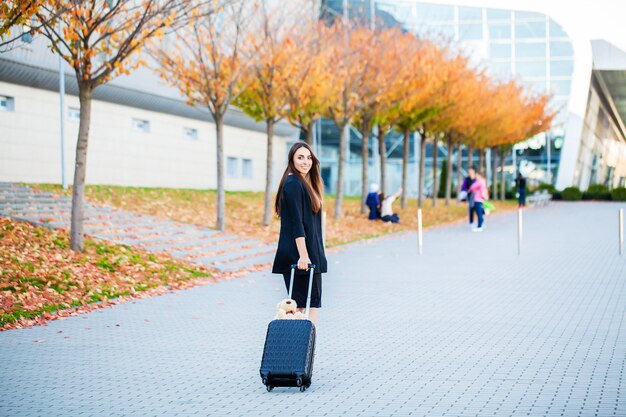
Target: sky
{"type": "Point", "coordinates": [595, 19]}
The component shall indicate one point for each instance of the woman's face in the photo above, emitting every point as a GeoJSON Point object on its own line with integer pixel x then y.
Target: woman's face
{"type": "Point", "coordinates": [303, 161]}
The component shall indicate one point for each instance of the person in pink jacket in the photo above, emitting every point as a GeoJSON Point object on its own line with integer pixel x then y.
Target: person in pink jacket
{"type": "Point", "coordinates": [481, 194]}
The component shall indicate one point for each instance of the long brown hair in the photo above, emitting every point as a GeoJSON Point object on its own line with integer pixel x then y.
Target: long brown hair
{"type": "Point", "coordinates": [312, 181]}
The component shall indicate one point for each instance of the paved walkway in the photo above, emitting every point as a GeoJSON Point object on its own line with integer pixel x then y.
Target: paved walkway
{"type": "Point", "coordinates": [468, 329]}
{"type": "Point", "coordinates": [224, 252]}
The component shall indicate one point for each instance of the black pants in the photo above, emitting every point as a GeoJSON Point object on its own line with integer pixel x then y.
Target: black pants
{"type": "Point", "coordinates": [301, 287]}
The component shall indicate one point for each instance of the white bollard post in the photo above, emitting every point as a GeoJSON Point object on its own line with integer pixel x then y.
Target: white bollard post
{"type": "Point", "coordinates": [621, 230]}
{"type": "Point", "coordinates": [419, 231]}
{"type": "Point", "coordinates": [519, 231]}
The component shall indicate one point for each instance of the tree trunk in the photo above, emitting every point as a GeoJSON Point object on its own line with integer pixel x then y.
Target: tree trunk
{"type": "Point", "coordinates": [422, 169]}
{"type": "Point", "coordinates": [502, 183]}
{"type": "Point", "coordinates": [221, 193]}
{"type": "Point", "coordinates": [365, 133]}
{"type": "Point", "coordinates": [308, 131]}
{"type": "Point", "coordinates": [80, 169]}
{"type": "Point", "coordinates": [481, 162]}
{"type": "Point", "coordinates": [267, 211]}
{"type": "Point", "coordinates": [494, 173]}
{"type": "Point", "coordinates": [459, 167]}
{"type": "Point", "coordinates": [382, 150]}
{"type": "Point", "coordinates": [470, 157]}
{"type": "Point", "coordinates": [435, 170]}
{"type": "Point", "coordinates": [405, 165]}
{"type": "Point", "coordinates": [342, 161]}
{"type": "Point", "coordinates": [449, 177]}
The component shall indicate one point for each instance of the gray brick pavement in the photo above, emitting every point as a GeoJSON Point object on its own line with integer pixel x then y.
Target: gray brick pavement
{"type": "Point", "coordinates": [468, 329]}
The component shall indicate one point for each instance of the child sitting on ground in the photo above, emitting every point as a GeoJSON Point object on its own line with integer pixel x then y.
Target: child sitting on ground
{"type": "Point", "coordinates": [386, 209]}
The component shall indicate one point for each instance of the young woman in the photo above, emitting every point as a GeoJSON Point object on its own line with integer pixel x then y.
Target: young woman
{"type": "Point", "coordinates": [299, 206]}
{"type": "Point", "coordinates": [481, 194]}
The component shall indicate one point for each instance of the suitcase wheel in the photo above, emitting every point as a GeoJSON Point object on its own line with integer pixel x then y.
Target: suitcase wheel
{"type": "Point", "coordinates": [299, 382]}
{"type": "Point", "coordinates": [302, 388]}
{"type": "Point", "coordinates": [269, 388]}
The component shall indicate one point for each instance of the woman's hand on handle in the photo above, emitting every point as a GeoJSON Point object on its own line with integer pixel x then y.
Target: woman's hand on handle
{"type": "Point", "coordinates": [303, 263]}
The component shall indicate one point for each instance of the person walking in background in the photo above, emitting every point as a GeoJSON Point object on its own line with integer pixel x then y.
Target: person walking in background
{"type": "Point", "coordinates": [373, 202]}
{"type": "Point", "coordinates": [481, 193]}
{"type": "Point", "coordinates": [386, 209]}
{"type": "Point", "coordinates": [299, 206]}
{"type": "Point", "coordinates": [520, 187]}
{"type": "Point", "coordinates": [469, 196]}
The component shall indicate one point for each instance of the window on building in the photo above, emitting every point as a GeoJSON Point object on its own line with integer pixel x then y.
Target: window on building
{"type": "Point", "coordinates": [502, 69]}
{"type": "Point", "coordinates": [190, 133]}
{"type": "Point", "coordinates": [447, 31]}
{"type": "Point", "coordinates": [556, 31]}
{"type": "Point", "coordinates": [495, 14]}
{"type": "Point", "coordinates": [470, 31]}
{"type": "Point", "coordinates": [537, 85]}
{"type": "Point", "coordinates": [140, 125]}
{"type": "Point", "coordinates": [73, 113]}
{"type": "Point", "coordinates": [531, 68]}
{"type": "Point", "coordinates": [499, 31]}
{"type": "Point", "coordinates": [563, 68]}
{"type": "Point", "coordinates": [7, 103]}
{"type": "Point", "coordinates": [561, 49]}
{"type": "Point", "coordinates": [529, 16]}
{"type": "Point", "coordinates": [500, 50]}
{"type": "Point", "coordinates": [530, 29]}
{"type": "Point", "coordinates": [530, 49]}
{"type": "Point", "coordinates": [246, 168]}
{"type": "Point", "coordinates": [560, 87]}
{"type": "Point", "coordinates": [434, 12]}
{"type": "Point", "coordinates": [231, 166]}
{"type": "Point", "coordinates": [471, 14]}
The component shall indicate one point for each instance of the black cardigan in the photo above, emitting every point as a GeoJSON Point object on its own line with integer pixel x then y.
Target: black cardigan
{"type": "Point", "coordinates": [298, 220]}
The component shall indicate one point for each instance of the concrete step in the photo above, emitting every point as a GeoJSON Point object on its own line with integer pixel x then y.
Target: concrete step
{"type": "Point", "coordinates": [200, 239]}
{"type": "Point", "coordinates": [205, 250]}
{"type": "Point", "coordinates": [246, 262]}
{"type": "Point", "coordinates": [115, 225]}
{"type": "Point", "coordinates": [230, 255]}
{"type": "Point", "coordinates": [91, 218]}
{"type": "Point", "coordinates": [149, 230]}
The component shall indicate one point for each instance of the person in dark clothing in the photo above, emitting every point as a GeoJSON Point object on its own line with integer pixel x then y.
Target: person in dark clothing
{"type": "Point", "coordinates": [520, 187]}
{"type": "Point", "coordinates": [373, 202]}
{"type": "Point", "coordinates": [299, 206]}
{"type": "Point", "coordinates": [467, 183]}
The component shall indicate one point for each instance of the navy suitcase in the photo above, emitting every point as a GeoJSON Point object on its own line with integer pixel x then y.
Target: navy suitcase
{"type": "Point", "coordinates": [289, 348]}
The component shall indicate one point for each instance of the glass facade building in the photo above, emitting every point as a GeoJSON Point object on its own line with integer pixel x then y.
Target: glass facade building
{"type": "Point", "coordinates": [537, 51]}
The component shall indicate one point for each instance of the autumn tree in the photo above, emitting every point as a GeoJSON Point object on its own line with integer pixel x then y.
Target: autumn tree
{"type": "Point", "coordinates": [101, 40]}
{"type": "Point", "coordinates": [428, 69]}
{"type": "Point", "coordinates": [346, 43]}
{"type": "Point", "coordinates": [206, 60]}
{"type": "Point", "coordinates": [382, 83]}
{"type": "Point", "coordinates": [308, 82]}
{"type": "Point", "coordinates": [14, 13]}
{"type": "Point", "coordinates": [265, 95]}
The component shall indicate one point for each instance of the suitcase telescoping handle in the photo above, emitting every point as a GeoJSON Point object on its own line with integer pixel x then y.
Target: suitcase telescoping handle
{"type": "Point", "coordinates": [308, 296]}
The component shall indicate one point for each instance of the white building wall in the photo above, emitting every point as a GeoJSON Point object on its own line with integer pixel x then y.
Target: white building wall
{"type": "Point", "coordinates": [118, 154]}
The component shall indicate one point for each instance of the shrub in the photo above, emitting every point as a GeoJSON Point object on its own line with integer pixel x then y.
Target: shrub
{"type": "Point", "coordinates": [618, 194]}
{"type": "Point", "coordinates": [549, 187]}
{"type": "Point", "coordinates": [597, 192]}
{"type": "Point", "coordinates": [571, 194]}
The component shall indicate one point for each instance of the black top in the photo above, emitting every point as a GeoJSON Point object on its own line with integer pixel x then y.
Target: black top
{"type": "Point", "coordinates": [298, 220]}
